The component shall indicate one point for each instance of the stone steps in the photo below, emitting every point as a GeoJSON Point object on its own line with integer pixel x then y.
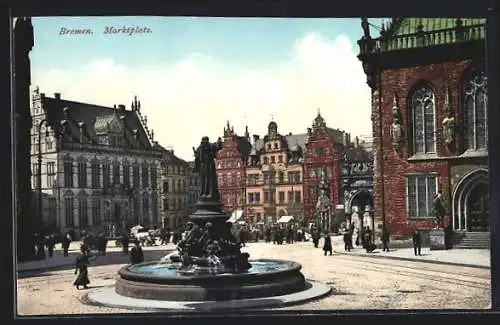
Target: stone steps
{"type": "Point", "coordinates": [473, 240]}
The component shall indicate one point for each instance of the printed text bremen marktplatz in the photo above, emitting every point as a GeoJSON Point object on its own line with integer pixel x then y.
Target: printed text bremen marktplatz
{"type": "Point", "coordinates": [107, 30]}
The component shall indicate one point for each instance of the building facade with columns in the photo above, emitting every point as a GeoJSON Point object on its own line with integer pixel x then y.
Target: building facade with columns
{"type": "Point", "coordinates": [429, 113]}
{"type": "Point", "coordinates": [99, 164]}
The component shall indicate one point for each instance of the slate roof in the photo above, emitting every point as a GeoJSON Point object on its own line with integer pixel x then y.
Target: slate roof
{"type": "Point", "coordinates": [170, 158]}
{"type": "Point", "coordinates": [77, 112]}
{"type": "Point", "coordinates": [408, 26]}
{"type": "Point", "coordinates": [402, 33]}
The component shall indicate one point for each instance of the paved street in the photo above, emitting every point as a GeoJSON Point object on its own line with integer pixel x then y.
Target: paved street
{"type": "Point", "coordinates": [358, 282]}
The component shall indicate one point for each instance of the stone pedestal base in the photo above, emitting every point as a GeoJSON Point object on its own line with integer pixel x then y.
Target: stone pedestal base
{"type": "Point", "coordinates": [437, 239]}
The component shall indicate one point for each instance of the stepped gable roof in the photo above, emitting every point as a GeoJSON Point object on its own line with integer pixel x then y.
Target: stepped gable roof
{"type": "Point", "coordinates": [58, 110]}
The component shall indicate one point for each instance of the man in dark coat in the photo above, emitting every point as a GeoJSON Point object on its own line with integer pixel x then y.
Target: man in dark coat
{"type": "Point", "coordinates": [327, 245]}
{"type": "Point", "coordinates": [315, 237]}
{"type": "Point", "coordinates": [125, 242]}
{"type": "Point", "coordinates": [385, 240]}
{"type": "Point", "coordinates": [136, 254]}
{"type": "Point", "coordinates": [51, 242]}
{"type": "Point", "coordinates": [66, 241]}
{"type": "Point", "coordinates": [417, 243]}
{"type": "Point", "coordinates": [347, 246]}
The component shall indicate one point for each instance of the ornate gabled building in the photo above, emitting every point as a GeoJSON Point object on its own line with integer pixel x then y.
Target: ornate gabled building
{"type": "Point", "coordinates": [429, 112]}
{"type": "Point", "coordinates": [175, 177]}
{"type": "Point", "coordinates": [98, 163]}
{"type": "Point", "coordinates": [329, 153]}
{"type": "Point", "coordinates": [282, 173]}
{"type": "Point", "coordinates": [274, 176]}
{"type": "Point", "coordinates": [324, 147]}
{"type": "Point", "coordinates": [230, 164]}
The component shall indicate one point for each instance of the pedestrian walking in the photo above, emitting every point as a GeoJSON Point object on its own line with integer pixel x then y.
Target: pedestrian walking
{"type": "Point", "coordinates": [125, 242]}
{"type": "Point", "coordinates": [136, 253]}
{"type": "Point", "coordinates": [347, 246]}
{"type": "Point", "coordinates": [66, 241]}
{"type": "Point", "coordinates": [50, 245]}
{"type": "Point", "coordinates": [327, 245]}
{"type": "Point", "coordinates": [385, 240]}
{"type": "Point", "coordinates": [81, 270]}
{"type": "Point", "coordinates": [417, 243]}
{"type": "Point", "coordinates": [315, 237]}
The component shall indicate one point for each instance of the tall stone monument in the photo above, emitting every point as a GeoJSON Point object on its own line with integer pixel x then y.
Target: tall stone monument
{"type": "Point", "coordinates": [324, 204]}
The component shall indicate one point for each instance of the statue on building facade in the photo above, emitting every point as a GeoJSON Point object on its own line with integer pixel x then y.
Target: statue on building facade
{"type": "Point", "coordinates": [438, 210]}
{"type": "Point", "coordinates": [449, 123]}
{"type": "Point", "coordinates": [397, 126]}
{"type": "Point", "coordinates": [204, 165]}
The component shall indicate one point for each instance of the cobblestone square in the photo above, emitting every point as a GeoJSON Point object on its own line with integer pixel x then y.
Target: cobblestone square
{"type": "Point", "coordinates": [358, 282]}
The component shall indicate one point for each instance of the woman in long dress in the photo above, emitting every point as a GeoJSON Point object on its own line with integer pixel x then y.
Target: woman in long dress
{"type": "Point", "coordinates": [81, 271]}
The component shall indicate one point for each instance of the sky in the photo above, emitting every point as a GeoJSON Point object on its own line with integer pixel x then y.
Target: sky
{"type": "Point", "coordinates": [194, 74]}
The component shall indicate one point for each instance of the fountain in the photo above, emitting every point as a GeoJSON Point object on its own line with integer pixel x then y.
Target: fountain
{"type": "Point", "coordinates": [209, 265]}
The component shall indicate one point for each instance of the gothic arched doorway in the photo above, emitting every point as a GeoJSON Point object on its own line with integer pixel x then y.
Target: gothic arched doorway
{"type": "Point", "coordinates": [471, 211]}
{"type": "Point", "coordinates": [359, 201]}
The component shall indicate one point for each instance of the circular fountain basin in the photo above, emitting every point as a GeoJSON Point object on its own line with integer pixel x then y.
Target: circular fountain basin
{"type": "Point", "coordinates": [157, 281]}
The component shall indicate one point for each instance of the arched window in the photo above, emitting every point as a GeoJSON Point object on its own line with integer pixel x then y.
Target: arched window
{"type": "Point", "coordinates": [423, 108]}
{"type": "Point", "coordinates": [475, 100]}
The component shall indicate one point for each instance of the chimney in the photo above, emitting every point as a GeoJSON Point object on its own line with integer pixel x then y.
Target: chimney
{"type": "Point", "coordinates": [57, 95]}
{"type": "Point", "coordinates": [172, 151]}
{"type": "Point", "coordinates": [42, 95]}
{"type": "Point", "coordinates": [255, 138]}
{"type": "Point", "coordinates": [121, 107]}
{"type": "Point", "coordinates": [357, 142]}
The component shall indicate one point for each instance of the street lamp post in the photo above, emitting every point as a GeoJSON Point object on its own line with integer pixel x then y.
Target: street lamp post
{"type": "Point", "coordinates": [39, 179]}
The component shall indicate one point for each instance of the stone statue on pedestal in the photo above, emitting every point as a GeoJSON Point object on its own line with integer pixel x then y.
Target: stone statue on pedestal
{"type": "Point", "coordinates": [209, 246]}
{"type": "Point", "coordinates": [397, 125]}
{"type": "Point", "coordinates": [204, 165]}
{"type": "Point", "coordinates": [449, 123]}
{"type": "Point", "coordinates": [439, 210]}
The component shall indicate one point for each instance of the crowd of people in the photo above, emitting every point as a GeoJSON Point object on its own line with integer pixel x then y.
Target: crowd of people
{"type": "Point", "coordinates": [278, 234]}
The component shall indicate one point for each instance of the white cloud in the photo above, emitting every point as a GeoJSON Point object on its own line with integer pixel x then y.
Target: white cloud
{"type": "Point", "coordinates": [195, 96]}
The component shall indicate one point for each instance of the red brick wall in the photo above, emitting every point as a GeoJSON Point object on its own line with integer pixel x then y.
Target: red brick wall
{"type": "Point", "coordinates": [230, 153]}
{"type": "Point", "coordinates": [401, 82]}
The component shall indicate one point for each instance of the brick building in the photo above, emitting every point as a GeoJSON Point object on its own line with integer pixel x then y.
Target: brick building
{"type": "Point", "coordinates": [230, 164]}
{"type": "Point", "coordinates": [429, 95]}
{"type": "Point", "coordinates": [281, 173]}
{"type": "Point", "coordinates": [323, 146]}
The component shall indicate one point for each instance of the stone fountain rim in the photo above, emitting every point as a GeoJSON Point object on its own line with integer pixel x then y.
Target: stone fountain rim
{"type": "Point", "coordinates": [126, 274]}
